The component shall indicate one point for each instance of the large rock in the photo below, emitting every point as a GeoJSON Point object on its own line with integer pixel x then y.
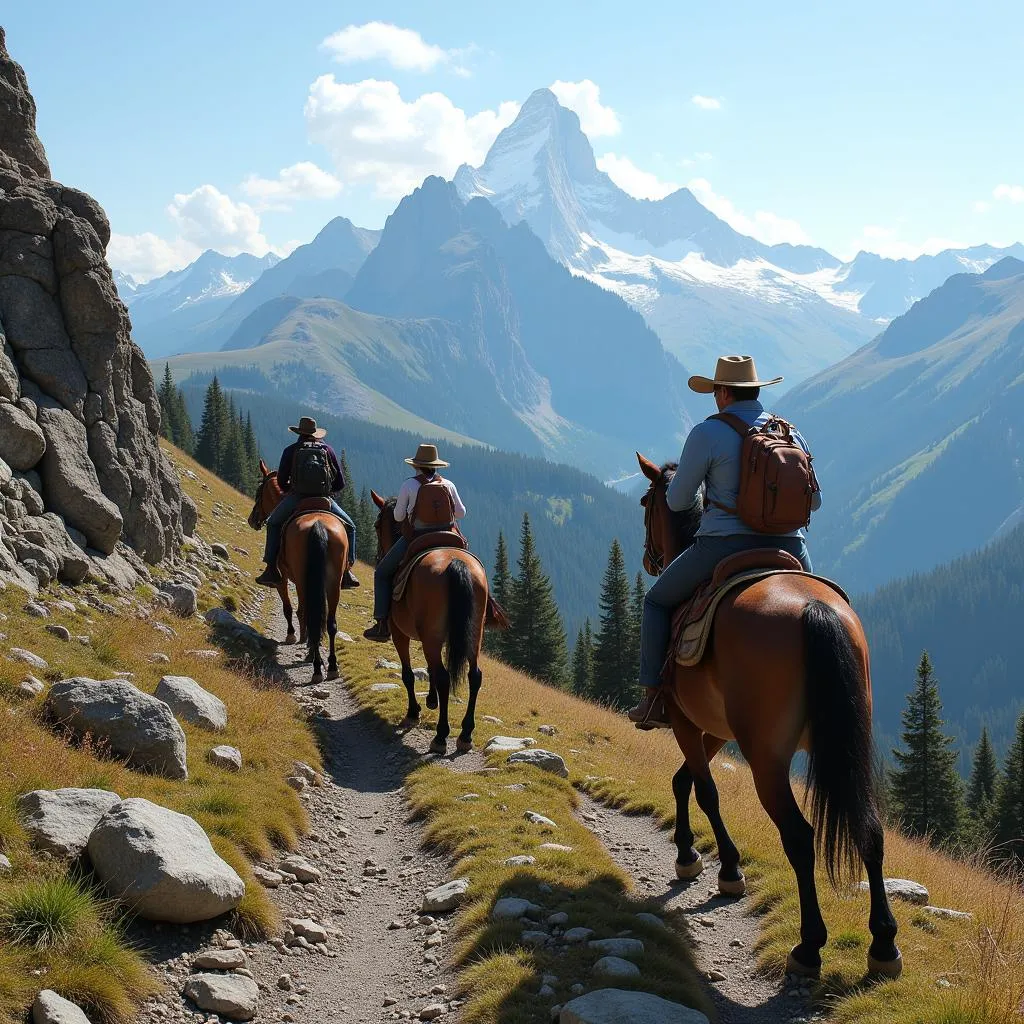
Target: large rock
{"type": "Point", "coordinates": [189, 701]}
{"type": "Point", "coordinates": [616, 967]}
{"type": "Point", "coordinates": [182, 597]}
{"type": "Point", "coordinates": [136, 727]}
{"type": "Point", "coordinates": [902, 889]}
{"type": "Point", "coordinates": [231, 995]}
{"type": "Point", "coordinates": [498, 744]}
{"type": "Point", "coordinates": [546, 760]}
{"type": "Point", "coordinates": [617, 1006]}
{"type": "Point", "coordinates": [21, 441]}
{"type": "Point", "coordinates": [60, 821]}
{"type": "Point", "coordinates": [445, 897]}
{"type": "Point", "coordinates": [161, 863]}
{"type": "Point", "coordinates": [18, 140]}
{"type": "Point", "coordinates": [50, 1008]}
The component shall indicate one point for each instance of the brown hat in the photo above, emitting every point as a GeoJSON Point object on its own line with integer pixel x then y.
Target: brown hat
{"type": "Point", "coordinates": [307, 428]}
{"type": "Point", "coordinates": [426, 458]}
{"type": "Point", "coordinates": [731, 371]}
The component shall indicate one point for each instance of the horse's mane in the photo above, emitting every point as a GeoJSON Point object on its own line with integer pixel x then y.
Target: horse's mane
{"type": "Point", "coordinates": [686, 523]}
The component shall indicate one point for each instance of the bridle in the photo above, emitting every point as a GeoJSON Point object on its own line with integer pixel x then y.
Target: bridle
{"type": "Point", "coordinates": [257, 517]}
{"type": "Point", "coordinates": [378, 525]}
{"type": "Point", "coordinates": [654, 560]}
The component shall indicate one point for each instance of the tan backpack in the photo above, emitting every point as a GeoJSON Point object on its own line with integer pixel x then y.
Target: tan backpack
{"type": "Point", "coordinates": [777, 481]}
{"type": "Point", "coordinates": [434, 508]}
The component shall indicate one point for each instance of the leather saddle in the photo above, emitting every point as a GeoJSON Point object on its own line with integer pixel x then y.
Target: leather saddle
{"type": "Point", "coordinates": [692, 621]}
{"type": "Point", "coordinates": [420, 546]}
{"type": "Point", "coordinates": [307, 505]}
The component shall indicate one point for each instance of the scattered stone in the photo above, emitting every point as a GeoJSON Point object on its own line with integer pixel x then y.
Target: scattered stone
{"type": "Point", "coordinates": [297, 782]}
{"type": "Point", "coordinates": [219, 960]}
{"type": "Point", "coordinates": [60, 632]}
{"type": "Point", "coordinates": [5, 865]}
{"type": "Point", "coordinates": [445, 897]}
{"type": "Point", "coordinates": [715, 975]}
{"type": "Point", "coordinates": [546, 760]}
{"type": "Point", "coordinates": [183, 600]}
{"type": "Point", "coordinates": [159, 658]}
{"type": "Point", "coordinates": [613, 1006]}
{"type": "Point", "coordinates": [190, 702]}
{"type": "Point", "coordinates": [31, 687]}
{"type": "Point", "coordinates": [653, 919]}
{"type": "Point", "coordinates": [467, 797]}
{"type": "Point", "coordinates": [498, 744]}
{"type": "Point", "coordinates": [307, 929]}
{"type": "Point", "coordinates": [620, 947]}
{"type": "Point", "coordinates": [30, 659]}
{"type": "Point", "coordinates": [284, 983]}
{"type": "Point", "coordinates": [616, 967]}
{"type": "Point", "coordinates": [239, 632]}
{"type": "Point", "coordinates": [36, 610]}
{"type": "Point", "coordinates": [268, 879]}
{"type": "Point", "coordinates": [230, 995]}
{"type": "Point", "coordinates": [59, 821]}
{"type": "Point", "coordinates": [576, 936]}
{"type": "Point", "coordinates": [548, 730]}
{"type": "Point", "coordinates": [532, 937]}
{"type": "Point", "coordinates": [902, 889]}
{"type": "Point", "coordinates": [383, 687]}
{"type": "Point", "coordinates": [227, 757]}
{"type": "Point", "coordinates": [948, 915]}
{"type": "Point", "coordinates": [521, 861]}
{"type": "Point", "coordinates": [492, 719]}
{"type": "Point", "coordinates": [538, 819]}
{"type": "Point", "coordinates": [162, 864]}
{"type": "Point", "coordinates": [321, 693]}
{"type": "Point", "coordinates": [308, 772]}
{"type": "Point", "coordinates": [136, 727]}
{"type": "Point", "coordinates": [511, 908]}
{"type": "Point", "coordinates": [300, 868]}
{"type": "Point", "coordinates": [220, 550]}
{"type": "Point", "coordinates": [432, 1012]}
{"type": "Point", "coordinates": [559, 919]}
{"type": "Point", "coordinates": [392, 666]}
{"type": "Point", "coordinates": [556, 847]}
{"type": "Point", "coordinates": [50, 1008]}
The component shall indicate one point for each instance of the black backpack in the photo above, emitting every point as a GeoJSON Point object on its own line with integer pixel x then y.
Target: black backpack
{"type": "Point", "coordinates": [312, 472]}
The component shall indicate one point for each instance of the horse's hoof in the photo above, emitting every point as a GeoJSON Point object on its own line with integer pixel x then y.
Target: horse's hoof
{"type": "Point", "coordinates": [885, 968]}
{"type": "Point", "coordinates": [318, 677]}
{"type": "Point", "coordinates": [793, 966]}
{"type": "Point", "coordinates": [732, 887]}
{"type": "Point", "coordinates": [431, 701]}
{"type": "Point", "coordinates": [464, 746]}
{"type": "Point", "coordinates": [333, 674]}
{"type": "Point", "coordinates": [290, 639]}
{"type": "Point", "coordinates": [408, 723]}
{"type": "Point", "coordinates": [439, 746]}
{"type": "Point", "coordinates": [688, 872]}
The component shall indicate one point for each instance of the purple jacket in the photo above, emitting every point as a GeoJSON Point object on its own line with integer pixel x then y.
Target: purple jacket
{"type": "Point", "coordinates": [284, 470]}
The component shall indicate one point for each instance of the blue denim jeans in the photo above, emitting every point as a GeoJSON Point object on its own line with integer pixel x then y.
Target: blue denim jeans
{"type": "Point", "coordinates": [384, 577]}
{"type": "Point", "coordinates": [277, 519]}
{"type": "Point", "coordinates": [680, 580]}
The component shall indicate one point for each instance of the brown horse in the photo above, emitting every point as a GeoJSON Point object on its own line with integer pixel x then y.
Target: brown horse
{"type": "Point", "coordinates": [786, 669]}
{"type": "Point", "coordinates": [314, 550]}
{"type": "Point", "coordinates": [445, 602]}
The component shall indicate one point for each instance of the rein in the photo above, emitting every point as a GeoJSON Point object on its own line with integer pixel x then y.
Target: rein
{"type": "Point", "coordinates": [257, 517]}
{"type": "Point", "coordinates": [654, 560]}
{"type": "Point", "coordinates": [377, 526]}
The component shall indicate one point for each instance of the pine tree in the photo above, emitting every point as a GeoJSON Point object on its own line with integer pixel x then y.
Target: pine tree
{"type": "Point", "coordinates": [925, 790]}
{"type": "Point", "coordinates": [366, 535]}
{"type": "Point", "coordinates": [981, 790]}
{"type": "Point", "coordinates": [234, 465]}
{"type": "Point", "coordinates": [183, 435]}
{"type": "Point", "coordinates": [347, 498]}
{"type": "Point", "coordinates": [614, 677]}
{"type": "Point", "coordinates": [213, 429]}
{"type": "Point", "coordinates": [252, 447]}
{"type": "Point", "coordinates": [536, 641]}
{"type": "Point", "coordinates": [167, 395]}
{"type": "Point", "coordinates": [583, 662]}
{"type": "Point", "coordinates": [1009, 807]}
{"type": "Point", "coordinates": [495, 641]}
{"type": "Point", "coordinates": [636, 618]}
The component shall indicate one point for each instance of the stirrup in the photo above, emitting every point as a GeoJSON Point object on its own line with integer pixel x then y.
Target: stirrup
{"type": "Point", "coordinates": [379, 631]}
{"type": "Point", "coordinates": [657, 715]}
{"type": "Point", "coordinates": [270, 577]}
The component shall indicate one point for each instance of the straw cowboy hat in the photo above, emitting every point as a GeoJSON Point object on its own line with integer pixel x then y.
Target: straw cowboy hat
{"type": "Point", "coordinates": [426, 458]}
{"type": "Point", "coordinates": [307, 428]}
{"type": "Point", "coordinates": [731, 371]}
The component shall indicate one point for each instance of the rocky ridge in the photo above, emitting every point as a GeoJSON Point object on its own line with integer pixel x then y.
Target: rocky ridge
{"type": "Point", "coordinates": [85, 488]}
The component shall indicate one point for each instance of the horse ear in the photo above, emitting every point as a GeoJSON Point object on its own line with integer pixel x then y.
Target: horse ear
{"type": "Point", "coordinates": [377, 499]}
{"type": "Point", "coordinates": [264, 471]}
{"type": "Point", "coordinates": [648, 468]}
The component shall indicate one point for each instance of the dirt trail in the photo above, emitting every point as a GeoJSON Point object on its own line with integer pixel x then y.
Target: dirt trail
{"type": "Point", "coordinates": [723, 932]}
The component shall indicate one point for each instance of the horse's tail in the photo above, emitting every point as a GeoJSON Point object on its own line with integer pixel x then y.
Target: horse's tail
{"type": "Point", "coordinates": [461, 616]}
{"type": "Point", "coordinates": [314, 601]}
{"type": "Point", "coordinates": [841, 768]}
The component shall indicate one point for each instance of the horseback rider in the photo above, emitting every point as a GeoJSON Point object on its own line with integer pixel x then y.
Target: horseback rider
{"type": "Point", "coordinates": [308, 469]}
{"type": "Point", "coordinates": [416, 515]}
{"type": "Point", "coordinates": [710, 459]}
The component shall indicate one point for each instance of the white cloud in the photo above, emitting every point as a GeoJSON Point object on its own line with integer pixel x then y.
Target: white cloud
{"type": "Point", "coordinates": [585, 99]}
{"type": "Point", "coordinates": [402, 48]}
{"type": "Point", "coordinates": [981, 206]}
{"type": "Point", "coordinates": [303, 180]}
{"type": "Point", "coordinates": [375, 136]}
{"type": "Point", "coordinates": [1011, 193]}
{"type": "Point", "coordinates": [630, 178]}
{"type": "Point", "coordinates": [208, 218]}
{"type": "Point", "coordinates": [765, 226]}
{"type": "Point", "coordinates": [706, 102]}
{"type": "Point", "coordinates": [148, 255]}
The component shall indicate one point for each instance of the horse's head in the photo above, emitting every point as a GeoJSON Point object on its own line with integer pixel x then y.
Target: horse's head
{"type": "Point", "coordinates": [388, 530]}
{"type": "Point", "coordinates": [268, 494]}
{"type": "Point", "coordinates": [667, 533]}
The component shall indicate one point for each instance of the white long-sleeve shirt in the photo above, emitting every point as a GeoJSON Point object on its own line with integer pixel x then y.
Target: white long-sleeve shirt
{"type": "Point", "coordinates": [407, 498]}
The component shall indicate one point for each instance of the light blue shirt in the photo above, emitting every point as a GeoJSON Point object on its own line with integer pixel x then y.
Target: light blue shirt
{"type": "Point", "coordinates": [711, 456]}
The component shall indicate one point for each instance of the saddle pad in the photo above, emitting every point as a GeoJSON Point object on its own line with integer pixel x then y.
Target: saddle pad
{"type": "Point", "coordinates": [690, 635]}
{"type": "Point", "coordinates": [402, 577]}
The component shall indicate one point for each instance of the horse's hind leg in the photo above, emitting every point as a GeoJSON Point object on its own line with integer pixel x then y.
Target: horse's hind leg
{"type": "Point", "coordinates": [440, 682]}
{"type": "Point", "coordinates": [334, 595]}
{"type": "Point", "coordinates": [464, 744]}
{"type": "Point", "coordinates": [883, 956]}
{"type": "Point", "coordinates": [412, 715]}
{"type": "Point", "coordinates": [286, 607]}
{"type": "Point", "coordinates": [771, 778]}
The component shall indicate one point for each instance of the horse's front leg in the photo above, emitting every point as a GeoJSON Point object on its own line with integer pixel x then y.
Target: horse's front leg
{"type": "Point", "coordinates": [440, 682]}
{"type": "Point", "coordinates": [730, 879]}
{"type": "Point", "coordinates": [412, 714]}
{"type": "Point", "coordinates": [286, 607]}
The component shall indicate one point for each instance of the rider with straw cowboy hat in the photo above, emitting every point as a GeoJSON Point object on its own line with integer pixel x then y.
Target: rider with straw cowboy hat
{"type": "Point", "coordinates": [710, 459]}
{"type": "Point", "coordinates": [308, 469]}
{"type": "Point", "coordinates": [408, 512]}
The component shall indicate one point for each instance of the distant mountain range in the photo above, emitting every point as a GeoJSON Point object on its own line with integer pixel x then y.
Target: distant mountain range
{"type": "Point", "coordinates": [919, 436]}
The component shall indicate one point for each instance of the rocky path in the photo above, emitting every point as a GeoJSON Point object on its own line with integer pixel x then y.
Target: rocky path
{"type": "Point", "coordinates": [723, 932]}
{"type": "Point", "coordinates": [382, 960]}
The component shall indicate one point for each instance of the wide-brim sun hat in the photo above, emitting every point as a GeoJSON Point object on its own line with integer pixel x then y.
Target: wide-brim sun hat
{"type": "Point", "coordinates": [731, 372]}
{"type": "Point", "coordinates": [426, 458]}
{"type": "Point", "coordinates": [307, 428]}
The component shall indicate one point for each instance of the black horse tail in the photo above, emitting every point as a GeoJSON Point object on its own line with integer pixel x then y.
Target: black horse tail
{"type": "Point", "coordinates": [314, 601]}
{"type": "Point", "coordinates": [461, 609]}
{"type": "Point", "coordinates": [841, 769]}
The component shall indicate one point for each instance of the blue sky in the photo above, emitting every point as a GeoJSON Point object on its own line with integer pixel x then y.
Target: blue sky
{"type": "Point", "coordinates": [894, 127]}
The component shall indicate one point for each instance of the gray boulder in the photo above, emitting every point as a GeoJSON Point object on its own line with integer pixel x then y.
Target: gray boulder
{"type": "Point", "coordinates": [511, 908]}
{"type": "Point", "coordinates": [616, 1006]}
{"type": "Point", "coordinates": [223, 756]}
{"type": "Point", "coordinates": [138, 728]}
{"type": "Point", "coordinates": [616, 967]}
{"type": "Point", "coordinates": [182, 597]}
{"type": "Point", "coordinates": [50, 1008]}
{"type": "Point", "coordinates": [502, 743]}
{"type": "Point", "coordinates": [545, 760]}
{"type": "Point", "coordinates": [618, 946]}
{"type": "Point", "coordinates": [60, 821]}
{"type": "Point", "coordinates": [902, 889]}
{"type": "Point", "coordinates": [21, 441]}
{"type": "Point", "coordinates": [189, 701]}
{"type": "Point", "coordinates": [445, 897]}
{"type": "Point", "coordinates": [161, 863]}
{"type": "Point", "coordinates": [231, 995]}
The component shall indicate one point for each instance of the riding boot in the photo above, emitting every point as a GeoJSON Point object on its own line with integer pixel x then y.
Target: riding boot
{"type": "Point", "coordinates": [349, 581]}
{"type": "Point", "coordinates": [650, 713]}
{"type": "Point", "coordinates": [270, 577]}
{"type": "Point", "coordinates": [379, 631]}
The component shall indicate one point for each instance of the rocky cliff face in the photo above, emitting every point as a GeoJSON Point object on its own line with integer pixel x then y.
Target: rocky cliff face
{"type": "Point", "coordinates": [83, 484]}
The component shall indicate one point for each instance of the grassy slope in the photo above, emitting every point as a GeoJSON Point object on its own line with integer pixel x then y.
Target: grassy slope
{"type": "Point", "coordinates": [246, 814]}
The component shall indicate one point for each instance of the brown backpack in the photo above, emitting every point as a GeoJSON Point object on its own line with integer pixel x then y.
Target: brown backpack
{"type": "Point", "coordinates": [434, 508]}
{"type": "Point", "coordinates": [777, 481]}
